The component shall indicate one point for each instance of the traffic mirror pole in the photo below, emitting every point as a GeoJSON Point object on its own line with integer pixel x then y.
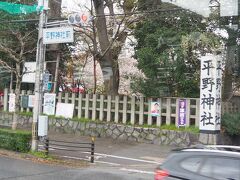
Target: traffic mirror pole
{"type": "Point", "coordinates": [40, 58]}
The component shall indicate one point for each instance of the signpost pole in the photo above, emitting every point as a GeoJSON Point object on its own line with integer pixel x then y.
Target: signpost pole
{"type": "Point", "coordinates": [40, 56]}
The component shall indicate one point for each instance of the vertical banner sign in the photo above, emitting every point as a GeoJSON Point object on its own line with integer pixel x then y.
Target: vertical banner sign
{"type": "Point", "coordinates": [155, 108]}
{"type": "Point", "coordinates": [182, 112]}
{"type": "Point", "coordinates": [49, 104]}
{"type": "Point", "coordinates": [12, 102]}
{"type": "Point", "coordinates": [210, 93]}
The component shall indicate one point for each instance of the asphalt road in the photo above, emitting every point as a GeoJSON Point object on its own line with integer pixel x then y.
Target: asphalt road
{"type": "Point", "coordinates": [14, 169]}
{"type": "Point", "coordinates": [122, 155]}
{"type": "Point", "coordinates": [114, 160]}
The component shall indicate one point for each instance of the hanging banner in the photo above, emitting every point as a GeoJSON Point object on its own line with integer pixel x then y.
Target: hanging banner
{"type": "Point", "coordinates": [155, 108]}
{"type": "Point", "coordinates": [210, 93]}
{"type": "Point", "coordinates": [49, 104]}
{"type": "Point", "coordinates": [182, 112]}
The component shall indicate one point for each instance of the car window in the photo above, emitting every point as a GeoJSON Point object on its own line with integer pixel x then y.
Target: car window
{"type": "Point", "coordinates": [221, 168]}
{"type": "Point", "coordinates": [191, 164]}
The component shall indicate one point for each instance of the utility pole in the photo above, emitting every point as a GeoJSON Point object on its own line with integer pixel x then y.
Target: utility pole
{"type": "Point", "coordinates": [40, 58]}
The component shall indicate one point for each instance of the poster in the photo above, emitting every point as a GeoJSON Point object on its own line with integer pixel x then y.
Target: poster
{"type": "Point", "coordinates": [11, 102]}
{"type": "Point", "coordinates": [65, 110]}
{"type": "Point", "coordinates": [49, 103]}
{"type": "Point", "coordinates": [182, 112]}
{"type": "Point", "coordinates": [31, 100]}
{"type": "Point", "coordinates": [155, 108]}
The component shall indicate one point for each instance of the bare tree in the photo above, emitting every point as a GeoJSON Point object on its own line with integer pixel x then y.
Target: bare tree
{"type": "Point", "coordinates": [106, 35]}
{"type": "Point", "coordinates": [15, 54]}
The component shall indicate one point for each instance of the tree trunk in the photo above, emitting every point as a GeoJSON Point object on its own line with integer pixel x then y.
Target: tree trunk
{"type": "Point", "coordinates": [17, 99]}
{"type": "Point", "coordinates": [109, 66]}
{"type": "Point", "coordinates": [228, 77]}
{"type": "Point", "coordinates": [110, 71]}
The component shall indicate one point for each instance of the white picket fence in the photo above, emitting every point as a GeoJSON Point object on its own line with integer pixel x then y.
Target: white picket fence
{"type": "Point", "coordinates": [125, 109]}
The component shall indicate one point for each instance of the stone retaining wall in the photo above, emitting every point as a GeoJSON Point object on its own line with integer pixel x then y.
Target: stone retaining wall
{"type": "Point", "coordinates": [123, 132]}
{"type": "Point", "coordinates": [119, 132]}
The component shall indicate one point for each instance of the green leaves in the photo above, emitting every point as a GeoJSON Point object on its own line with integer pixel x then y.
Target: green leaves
{"type": "Point", "coordinates": [231, 123]}
{"type": "Point", "coordinates": [15, 140]}
{"type": "Point", "coordinates": [162, 57]}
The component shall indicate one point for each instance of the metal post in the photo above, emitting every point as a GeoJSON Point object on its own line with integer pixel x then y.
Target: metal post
{"type": "Point", "coordinates": [56, 73]}
{"type": "Point", "coordinates": [92, 149]}
{"type": "Point", "coordinates": [40, 56]}
{"type": "Point", "coordinates": [46, 146]}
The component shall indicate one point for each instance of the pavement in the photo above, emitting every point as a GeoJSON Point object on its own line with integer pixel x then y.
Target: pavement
{"type": "Point", "coordinates": [118, 160]}
{"type": "Point", "coordinates": [124, 155]}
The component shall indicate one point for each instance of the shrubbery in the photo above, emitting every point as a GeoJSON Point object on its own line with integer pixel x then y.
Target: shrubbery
{"type": "Point", "coordinates": [231, 123]}
{"type": "Point", "coordinates": [15, 140]}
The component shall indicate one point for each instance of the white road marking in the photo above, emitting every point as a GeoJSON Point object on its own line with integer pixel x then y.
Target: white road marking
{"type": "Point", "coordinates": [137, 171]}
{"type": "Point", "coordinates": [125, 158]}
{"type": "Point", "coordinates": [103, 162]}
{"type": "Point", "coordinates": [100, 155]}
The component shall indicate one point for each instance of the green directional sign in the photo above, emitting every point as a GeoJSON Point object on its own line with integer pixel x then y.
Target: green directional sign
{"type": "Point", "coordinates": [19, 8]}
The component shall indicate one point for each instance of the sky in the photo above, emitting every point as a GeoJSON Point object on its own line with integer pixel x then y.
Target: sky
{"type": "Point", "coordinates": [228, 7]}
{"type": "Point", "coordinates": [76, 5]}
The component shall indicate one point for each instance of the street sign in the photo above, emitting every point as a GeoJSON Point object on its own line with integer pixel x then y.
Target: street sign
{"type": "Point", "coordinates": [46, 77]}
{"type": "Point", "coordinates": [58, 35]}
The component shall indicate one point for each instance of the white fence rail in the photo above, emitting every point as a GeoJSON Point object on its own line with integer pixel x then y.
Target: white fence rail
{"type": "Point", "coordinates": [124, 109]}
{"type": "Point", "coordinates": [129, 110]}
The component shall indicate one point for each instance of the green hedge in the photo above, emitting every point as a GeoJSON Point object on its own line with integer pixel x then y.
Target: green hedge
{"type": "Point", "coordinates": [231, 123]}
{"type": "Point", "coordinates": [15, 140]}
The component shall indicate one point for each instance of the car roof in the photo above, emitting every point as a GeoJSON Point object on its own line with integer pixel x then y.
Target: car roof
{"type": "Point", "coordinates": [221, 149]}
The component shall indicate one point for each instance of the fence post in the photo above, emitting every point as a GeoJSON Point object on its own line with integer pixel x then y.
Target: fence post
{"type": "Point", "coordinates": [133, 102]}
{"type": "Point", "coordinates": [94, 106]}
{"type": "Point", "coordinates": [149, 121]}
{"type": "Point", "coordinates": [109, 99]}
{"type": "Point", "coordinates": [197, 113]}
{"type": "Point", "coordinates": [86, 107]}
{"type": "Point", "coordinates": [5, 100]}
{"type": "Point", "coordinates": [80, 105]}
{"type": "Point", "coordinates": [116, 115]}
{"type": "Point", "coordinates": [46, 146]}
{"type": "Point", "coordinates": [124, 114]}
{"type": "Point", "coordinates": [92, 149]}
{"type": "Point", "coordinates": [141, 111]}
{"type": "Point", "coordinates": [188, 113]}
{"type": "Point", "coordinates": [101, 107]}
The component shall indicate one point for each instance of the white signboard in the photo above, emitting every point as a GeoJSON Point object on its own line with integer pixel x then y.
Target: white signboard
{"type": "Point", "coordinates": [58, 35]}
{"type": "Point", "coordinates": [49, 104]}
{"type": "Point", "coordinates": [210, 93]}
{"type": "Point", "coordinates": [31, 100]}
{"type": "Point", "coordinates": [43, 126]}
{"type": "Point", "coordinates": [29, 69]}
{"type": "Point", "coordinates": [65, 110]}
{"type": "Point", "coordinates": [11, 103]}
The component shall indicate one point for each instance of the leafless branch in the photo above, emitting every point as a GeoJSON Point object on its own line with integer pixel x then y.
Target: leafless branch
{"type": "Point", "coordinates": [12, 54]}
